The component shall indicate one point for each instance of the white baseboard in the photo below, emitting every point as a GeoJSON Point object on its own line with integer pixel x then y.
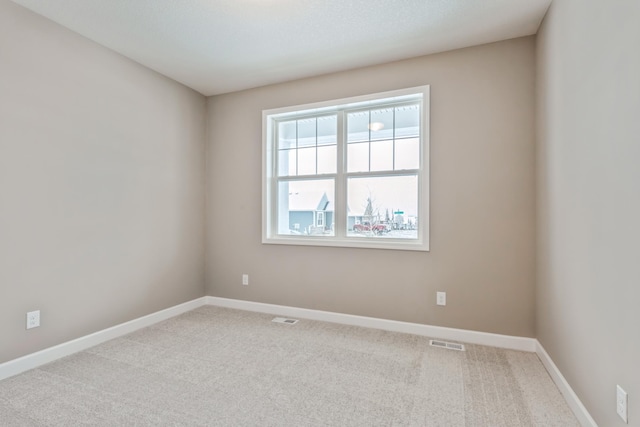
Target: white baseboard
{"type": "Point", "coordinates": [30, 361]}
{"type": "Point", "coordinates": [439, 332]}
{"type": "Point", "coordinates": [33, 360]}
{"type": "Point", "coordinates": [474, 337]}
{"type": "Point", "coordinates": [570, 396]}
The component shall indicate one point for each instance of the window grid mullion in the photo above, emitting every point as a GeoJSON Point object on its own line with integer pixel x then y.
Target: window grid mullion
{"type": "Point", "coordinates": [369, 141]}
{"type": "Point", "coordinates": [393, 144]}
{"type": "Point", "coordinates": [297, 147]}
{"type": "Point", "coordinates": [381, 174]}
{"type": "Point", "coordinates": [340, 203]}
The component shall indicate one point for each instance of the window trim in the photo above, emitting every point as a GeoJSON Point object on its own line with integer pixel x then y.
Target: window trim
{"type": "Point", "coordinates": [270, 177]}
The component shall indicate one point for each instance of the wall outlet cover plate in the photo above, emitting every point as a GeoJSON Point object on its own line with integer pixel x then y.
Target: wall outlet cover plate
{"type": "Point", "coordinates": [441, 298]}
{"type": "Point", "coordinates": [621, 403]}
{"type": "Point", "coordinates": [33, 319]}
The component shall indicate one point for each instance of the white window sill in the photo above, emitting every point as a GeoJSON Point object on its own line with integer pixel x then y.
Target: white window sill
{"type": "Point", "coordinates": [350, 242]}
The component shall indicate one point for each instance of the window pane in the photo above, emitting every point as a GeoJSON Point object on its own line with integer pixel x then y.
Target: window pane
{"type": "Point", "coordinates": [327, 130]}
{"type": "Point", "coordinates": [358, 157]}
{"type": "Point", "coordinates": [307, 161]}
{"type": "Point", "coordinates": [327, 159]}
{"type": "Point", "coordinates": [407, 121]}
{"type": "Point", "coordinates": [383, 207]}
{"type": "Point", "coordinates": [407, 153]}
{"type": "Point", "coordinates": [381, 155]}
{"type": "Point", "coordinates": [286, 162]}
{"type": "Point", "coordinates": [307, 132]}
{"type": "Point", "coordinates": [358, 126]}
{"type": "Point", "coordinates": [381, 124]}
{"type": "Point", "coordinates": [366, 151]}
{"type": "Point", "coordinates": [287, 134]}
{"type": "Point", "coordinates": [301, 203]}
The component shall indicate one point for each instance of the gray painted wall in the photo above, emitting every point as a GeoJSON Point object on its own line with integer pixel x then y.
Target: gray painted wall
{"type": "Point", "coordinates": [102, 179]}
{"type": "Point", "coordinates": [482, 199]}
{"type": "Point", "coordinates": [101, 186]}
{"type": "Point", "coordinates": [588, 293]}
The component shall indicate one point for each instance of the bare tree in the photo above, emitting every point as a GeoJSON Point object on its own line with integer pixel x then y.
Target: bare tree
{"type": "Point", "coordinates": [371, 219]}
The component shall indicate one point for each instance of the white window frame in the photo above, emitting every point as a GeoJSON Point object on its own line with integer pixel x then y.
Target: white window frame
{"type": "Point", "coordinates": [340, 239]}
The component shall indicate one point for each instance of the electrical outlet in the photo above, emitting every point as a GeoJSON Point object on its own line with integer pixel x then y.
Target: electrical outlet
{"type": "Point", "coordinates": [441, 298]}
{"type": "Point", "coordinates": [621, 403]}
{"type": "Point", "coordinates": [33, 319]}
{"type": "Point", "coordinates": [245, 279]}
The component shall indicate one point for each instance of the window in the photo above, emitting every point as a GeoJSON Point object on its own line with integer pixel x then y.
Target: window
{"type": "Point", "coordinates": [350, 172]}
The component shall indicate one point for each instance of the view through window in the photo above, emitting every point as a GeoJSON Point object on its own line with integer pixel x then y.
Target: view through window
{"type": "Point", "coordinates": [353, 173]}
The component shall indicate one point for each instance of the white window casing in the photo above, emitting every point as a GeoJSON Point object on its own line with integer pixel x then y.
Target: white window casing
{"type": "Point", "coordinates": [361, 162]}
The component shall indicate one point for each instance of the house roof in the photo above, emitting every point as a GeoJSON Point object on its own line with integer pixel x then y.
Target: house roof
{"type": "Point", "coordinates": [309, 201]}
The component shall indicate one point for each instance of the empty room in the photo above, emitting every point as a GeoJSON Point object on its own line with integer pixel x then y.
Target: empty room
{"type": "Point", "coordinates": [319, 212]}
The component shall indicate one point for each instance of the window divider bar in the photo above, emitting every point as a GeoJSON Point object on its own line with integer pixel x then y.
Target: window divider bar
{"type": "Point", "coordinates": [340, 202]}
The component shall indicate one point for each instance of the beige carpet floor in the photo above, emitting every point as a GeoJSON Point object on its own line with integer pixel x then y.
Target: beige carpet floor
{"type": "Point", "coordinates": [221, 367]}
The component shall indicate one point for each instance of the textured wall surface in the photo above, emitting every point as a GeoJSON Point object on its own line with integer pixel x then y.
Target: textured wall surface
{"type": "Point", "coordinates": [101, 186]}
{"type": "Point", "coordinates": [588, 165]}
{"type": "Point", "coordinates": [482, 199]}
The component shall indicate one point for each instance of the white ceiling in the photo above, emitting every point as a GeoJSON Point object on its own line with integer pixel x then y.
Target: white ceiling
{"type": "Point", "coordinates": [219, 46]}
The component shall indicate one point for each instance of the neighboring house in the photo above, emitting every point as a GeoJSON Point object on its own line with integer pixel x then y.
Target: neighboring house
{"type": "Point", "coordinates": [353, 219]}
{"type": "Point", "coordinates": [310, 213]}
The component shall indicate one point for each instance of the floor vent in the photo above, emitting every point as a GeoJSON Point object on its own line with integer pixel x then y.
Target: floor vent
{"type": "Point", "coordinates": [448, 345]}
{"type": "Point", "coordinates": [285, 320]}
